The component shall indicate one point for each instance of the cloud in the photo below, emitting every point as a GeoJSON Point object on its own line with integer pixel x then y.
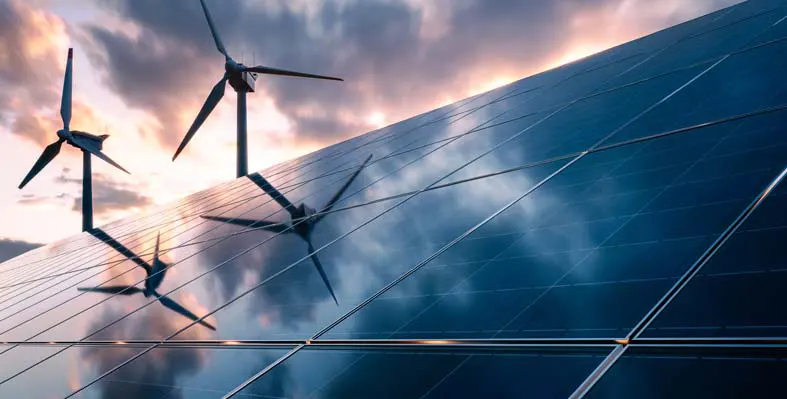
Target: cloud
{"type": "Point", "coordinates": [160, 367]}
{"type": "Point", "coordinates": [108, 195]}
{"type": "Point", "coordinates": [32, 65]}
{"type": "Point", "coordinates": [33, 56]}
{"type": "Point", "coordinates": [398, 57]}
{"type": "Point", "coordinates": [12, 248]}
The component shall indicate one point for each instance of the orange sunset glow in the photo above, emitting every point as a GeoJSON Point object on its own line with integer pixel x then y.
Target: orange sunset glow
{"type": "Point", "coordinates": [146, 119]}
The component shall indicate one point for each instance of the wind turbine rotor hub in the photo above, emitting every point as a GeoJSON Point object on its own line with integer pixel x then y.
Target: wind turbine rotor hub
{"type": "Point", "coordinates": [63, 134]}
{"type": "Point", "coordinates": [232, 67]}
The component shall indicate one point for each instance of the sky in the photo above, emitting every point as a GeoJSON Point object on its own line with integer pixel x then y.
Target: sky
{"type": "Point", "coordinates": [143, 68]}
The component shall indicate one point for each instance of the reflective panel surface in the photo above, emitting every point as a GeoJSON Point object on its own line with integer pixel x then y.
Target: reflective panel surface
{"type": "Point", "coordinates": [511, 244]}
{"type": "Point", "coordinates": [424, 373]}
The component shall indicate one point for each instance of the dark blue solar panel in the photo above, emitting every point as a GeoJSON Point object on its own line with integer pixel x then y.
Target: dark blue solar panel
{"type": "Point", "coordinates": [184, 373]}
{"type": "Point", "coordinates": [615, 230]}
{"type": "Point", "coordinates": [737, 292]}
{"type": "Point", "coordinates": [649, 373]}
{"type": "Point", "coordinates": [62, 370]}
{"type": "Point", "coordinates": [575, 128]}
{"type": "Point", "coordinates": [422, 373]}
{"type": "Point", "coordinates": [568, 205]}
{"type": "Point", "coordinates": [717, 95]}
{"type": "Point", "coordinates": [704, 46]}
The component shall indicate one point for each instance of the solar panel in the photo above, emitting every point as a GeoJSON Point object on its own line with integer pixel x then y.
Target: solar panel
{"type": "Point", "coordinates": [611, 228]}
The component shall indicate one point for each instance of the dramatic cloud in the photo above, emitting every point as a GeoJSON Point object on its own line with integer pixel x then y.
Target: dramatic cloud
{"type": "Point", "coordinates": [108, 195]}
{"type": "Point", "coordinates": [399, 57]}
{"type": "Point", "coordinates": [30, 61]}
{"type": "Point", "coordinates": [11, 248]}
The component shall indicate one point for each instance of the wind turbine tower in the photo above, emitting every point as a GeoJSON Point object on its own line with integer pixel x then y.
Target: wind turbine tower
{"type": "Point", "coordinates": [89, 144]}
{"type": "Point", "coordinates": [242, 78]}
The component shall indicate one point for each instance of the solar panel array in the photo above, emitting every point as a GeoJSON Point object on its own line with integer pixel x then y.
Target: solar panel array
{"type": "Point", "coordinates": [613, 228]}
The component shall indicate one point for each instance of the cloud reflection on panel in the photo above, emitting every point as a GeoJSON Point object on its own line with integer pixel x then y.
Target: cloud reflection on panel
{"type": "Point", "coordinates": [296, 304]}
{"type": "Point", "coordinates": [286, 239]}
{"type": "Point", "coordinates": [155, 372]}
{"type": "Point", "coordinates": [155, 323]}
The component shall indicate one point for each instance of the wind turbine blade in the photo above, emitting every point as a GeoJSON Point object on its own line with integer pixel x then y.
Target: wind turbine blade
{"type": "Point", "coordinates": [283, 72]}
{"type": "Point", "coordinates": [155, 252]}
{"type": "Point", "coordinates": [50, 152]}
{"type": "Point", "coordinates": [65, 101]}
{"type": "Point", "coordinates": [114, 244]}
{"type": "Point", "coordinates": [82, 144]}
{"type": "Point", "coordinates": [344, 188]}
{"type": "Point", "coordinates": [274, 227]}
{"type": "Point", "coordinates": [324, 276]}
{"type": "Point", "coordinates": [273, 193]}
{"type": "Point", "coordinates": [171, 304]}
{"type": "Point", "coordinates": [210, 103]}
{"type": "Point", "coordinates": [113, 289]}
{"type": "Point", "coordinates": [158, 268]}
{"type": "Point", "coordinates": [213, 31]}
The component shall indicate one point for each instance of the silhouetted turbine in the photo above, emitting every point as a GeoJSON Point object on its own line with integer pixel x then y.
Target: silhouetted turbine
{"type": "Point", "coordinates": [88, 143]}
{"type": "Point", "coordinates": [303, 219]}
{"type": "Point", "coordinates": [241, 78]}
{"type": "Point", "coordinates": [155, 275]}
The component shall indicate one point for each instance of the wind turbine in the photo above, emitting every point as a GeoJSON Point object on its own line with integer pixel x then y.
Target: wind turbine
{"type": "Point", "coordinates": [304, 219]}
{"type": "Point", "coordinates": [88, 143]}
{"type": "Point", "coordinates": [242, 79]}
{"type": "Point", "coordinates": [155, 275]}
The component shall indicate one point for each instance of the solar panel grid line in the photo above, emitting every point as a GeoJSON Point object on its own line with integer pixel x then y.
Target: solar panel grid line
{"type": "Point", "coordinates": [161, 208]}
{"type": "Point", "coordinates": [132, 267]}
{"type": "Point", "coordinates": [599, 372]}
{"type": "Point", "coordinates": [609, 236]}
{"type": "Point", "coordinates": [100, 244]}
{"type": "Point", "coordinates": [129, 227]}
{"type": "Point", "coordinates": [404, 148]}
{"type": "Point", "coordinates": [679, 285]}
{"type": "Point", "coordinates": [681, 40]}
{"type": "Point", "coordinates": [127, 271]}
{"type": "Point", "coordinates": [151, 302]}
{"type": "Point", "coordinates": [662, 101]}
{"type": "Point", "coordinates": [215, 188]}
{"type": "Point", "coordinates": [601, 141]}
{"type": "Point", "coordinates": [709, 253]}
{"type": "Point", "coordinates": [750, 17]}
{"type": "Point", "coordinates": [262, 372]}
{"type": "Point", "coordinates": [237, 297]}
{"type": "Point", "coordinates": [515, 93]}
{"type": "Point", "coordinates": [101, 247]}
{"type": "Point", "coordinates": [341, 153]}
{"type": "Point", "coordinates": [205, 273]}
{"type": "Point", "coordinates": [559, 82]}
{"type": "Point", "coordinates": [330, 243]}
{"type": "Point", "coordinates": [512, 343]}
{"type": "Point", "coordinates": [393, 153]}
{"type": "Point", "coordinates": [453, 343]}
{"type": "Point", "coordinates": [243, 198]}
{"type": "Point", "coordinates": [398, 344]}
{"type": "Point", "coordinates": [687, 129]}
{"type": "Point", "coordinates": [436, 254]}
{"type": "Point", "coordinates": [388, 139]}
{"type": "Point", "coordinates": [446, 377]}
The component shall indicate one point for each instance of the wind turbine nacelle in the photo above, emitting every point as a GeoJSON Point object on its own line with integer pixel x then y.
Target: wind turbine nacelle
{"type": "Point", "coordinates": [245, 83]}
{"type": "Point", "coordinates": [96, 140]}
